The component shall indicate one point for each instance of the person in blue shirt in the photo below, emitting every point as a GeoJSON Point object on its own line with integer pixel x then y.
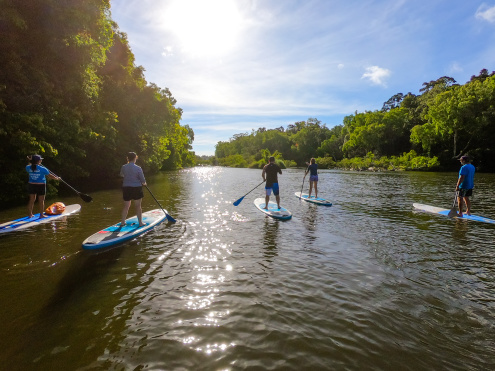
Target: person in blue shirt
{"type": "Point", "coordinates": [37, 183]}
{"type": "Point", "coordinates": [465, 185]}
{"type": "Point", "coordinates": [132, 187]}
{"type": "Point", "coordinates": [313, 177]}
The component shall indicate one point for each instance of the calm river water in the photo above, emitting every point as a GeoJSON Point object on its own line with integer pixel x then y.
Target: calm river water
{"type": "Point", "coordinates": [367, 284]}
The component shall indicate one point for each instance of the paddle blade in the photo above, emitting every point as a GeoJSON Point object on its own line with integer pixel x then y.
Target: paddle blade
{"type": "Point", "coordinates": [85, 197]}
{"type": "Point", "coordinates": [239, 201]}
{"type": "Point", "coordinates": [452, 213]}
{"type": "Point", "coordinates": [170, 219]}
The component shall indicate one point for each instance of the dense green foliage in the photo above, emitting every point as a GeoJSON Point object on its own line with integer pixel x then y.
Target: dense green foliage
{"type": "Point", "coordinates": [70, 91]}
{"type": "Point", "coordinates": [410, 132]}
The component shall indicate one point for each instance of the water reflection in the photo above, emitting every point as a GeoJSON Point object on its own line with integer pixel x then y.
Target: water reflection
{"type": "Point", "coordinates": [270, 238]}
{"type": "Point", "coordinates": [365, 284]}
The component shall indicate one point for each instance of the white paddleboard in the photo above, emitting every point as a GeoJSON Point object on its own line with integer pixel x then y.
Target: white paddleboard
{"type": "Point", "coordinates": [272, 210]}
{"type": "Point", "coordinates": [115, 234]}
{"type": "Point", "coordinates": [445, 212]}
{"type": "Point", "coordinates": [313, 199]}
{"type": "Point", "coordinates": [26, 222]}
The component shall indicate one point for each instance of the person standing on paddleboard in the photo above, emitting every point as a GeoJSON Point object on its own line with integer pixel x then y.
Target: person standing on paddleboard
{"type": "Point", "coordinates": [269, 175]}
{"type": "Point", "coordinates": [313, 177]}
{"type": "Point", "coordinates": [465, 185]}
{"type": "Point", "coordinates": [132, 187]}
{"type": "Point", "coordinates": [37, 183]}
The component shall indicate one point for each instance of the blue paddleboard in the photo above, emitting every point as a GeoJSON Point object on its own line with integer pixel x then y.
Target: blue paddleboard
{"type": "Point", "coordinates": [313, 199]}
{"type": "Point", "coordinates": [441, 211]}
{"type": "Point", "coordinates": [26, 222]}
{"type": "Point", "coordinates": [273, 209]}
{"type": "Point", "coordinates": [116, 234]}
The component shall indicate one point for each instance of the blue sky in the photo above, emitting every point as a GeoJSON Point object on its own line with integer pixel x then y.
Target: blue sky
{"type": "Point", "coordinates": [238, 65]}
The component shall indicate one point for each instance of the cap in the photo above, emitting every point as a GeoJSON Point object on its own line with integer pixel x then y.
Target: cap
{"type": "Point", "coordinates": [465, 158]}
{"type": "Point", "coordinates": [36, 158]}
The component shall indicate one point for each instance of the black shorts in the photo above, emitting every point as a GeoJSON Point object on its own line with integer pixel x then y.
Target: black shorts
{"type": "Point", "coordinates": [465, 192]}
{"type": "Point", "coordinates": [132, 193]}
{"type": "Point", "coordinates": [37, 189]}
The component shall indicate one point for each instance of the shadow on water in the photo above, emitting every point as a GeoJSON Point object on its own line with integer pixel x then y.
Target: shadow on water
{"type": "Point", "coordinates": [57, 319]}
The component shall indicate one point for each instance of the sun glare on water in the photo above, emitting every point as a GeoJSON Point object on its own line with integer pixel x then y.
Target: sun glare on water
{"type": "Point", "coordinates": [204, 28]}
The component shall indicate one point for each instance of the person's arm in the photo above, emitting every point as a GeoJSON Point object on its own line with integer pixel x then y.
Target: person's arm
{"type": "Point", "coordinates": [459, 181]}
{"type": "Point", "coordinates": [141, 177]}
{"type": "Point", "coordinates": [263, 173]}
{"type": "Point", "coordinates": [51, 176]}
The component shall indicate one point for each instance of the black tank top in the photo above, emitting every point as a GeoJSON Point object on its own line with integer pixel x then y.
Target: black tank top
{"type": "Point", "coordinates": [271, 171]}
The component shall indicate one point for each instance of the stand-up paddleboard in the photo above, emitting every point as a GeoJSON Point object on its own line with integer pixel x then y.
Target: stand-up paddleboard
{"type": "Point", "coordinates": [273, 209]}
{"type": "Point", "coordinates": [313, 199]}
{"type": "Point", "coordinates": [441, 211]}
{"type": "Point", "coordinates": [116, 234]}
{"type": "Point", "coordinates": [27, 222]}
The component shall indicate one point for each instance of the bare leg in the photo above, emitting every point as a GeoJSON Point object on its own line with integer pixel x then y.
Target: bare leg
{"type": "Point", "coordinates": [316, 189]}
{"type": "Point", "coordinates": [139, 211]}
{"type": "Point", "coordinates": [460, 203]}
{"type": "Point", "coordinates": [125, 210]}
{"type": "Point", "coordinates": [32, 199]}
{"type": "Point", "coordinates": [267, 199]}
{"type": "Point", "coordinates": [277, 197]}
{"type": "Point", "coordinates": [468, 205]}
{"type": "Point", "coordinates": [41, 202]}
{"type": "Point", "coordinates": [310, 188]}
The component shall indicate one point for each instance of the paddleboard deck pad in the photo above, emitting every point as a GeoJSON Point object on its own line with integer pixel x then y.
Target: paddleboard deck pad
{"type": "Point", "coordinates": [27, 222]}
{"type": "Point", "coordinates": [273, 209]}
{"type": "Point", "coordinates": [116, 234]}
{"type": "Point", "coordinates": [441, 211]}
{"type": "Point", "coordinates": [313, 199]}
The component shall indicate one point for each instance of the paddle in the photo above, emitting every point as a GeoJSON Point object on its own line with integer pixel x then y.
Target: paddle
{"type": "Point", "coordinates": [84, 197]}
{"type": "Point", "coordinates": [240, 199]}
{"type": "Point", "coordinates": [300, 194]}
{"type": "Point", "coordinates": [169, 218]}
{"type": "Point", "coordinates": [453, 212]}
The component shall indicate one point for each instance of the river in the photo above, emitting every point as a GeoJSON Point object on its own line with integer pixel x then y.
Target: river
{"type": "Point", "coordinates": [366, 284]}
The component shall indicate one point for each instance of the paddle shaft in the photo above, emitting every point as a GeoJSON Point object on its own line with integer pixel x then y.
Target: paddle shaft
{"type": "Point", "coordinates": [85, 197]}
{"type": "Point", "coordinates": [240, 199]}
{"type": "Point", "coordinates": [169, 218]}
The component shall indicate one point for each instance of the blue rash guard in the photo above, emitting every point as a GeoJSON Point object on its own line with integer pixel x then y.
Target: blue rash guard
{"type": "Point", "coordinates": [37, 176]}
{"type": "Point", "coordinates": [468, 172]}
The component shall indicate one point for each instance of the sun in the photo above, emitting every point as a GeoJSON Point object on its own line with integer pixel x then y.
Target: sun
{"type": "Point", "coordinates": [204, 28]}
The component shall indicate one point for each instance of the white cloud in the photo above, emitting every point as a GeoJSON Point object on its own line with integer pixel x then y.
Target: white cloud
{"type": "Point", "coordinates": [455, 67]}
{"type": "Point", "coordinates": [486, 13]}
{"type": "Point", "coordinates": [376, 75]}
{"type": "Point", "coordinates": [340, 66]}
{"type": "Point", "coordinates": [167, 51]}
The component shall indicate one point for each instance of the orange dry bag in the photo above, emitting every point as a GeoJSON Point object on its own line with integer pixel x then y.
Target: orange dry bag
{"type": "Point", "coordinates": [55, 209]}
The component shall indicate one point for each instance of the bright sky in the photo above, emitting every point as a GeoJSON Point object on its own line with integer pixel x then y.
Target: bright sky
{"type": "Point", "coordinates": [238, 65]}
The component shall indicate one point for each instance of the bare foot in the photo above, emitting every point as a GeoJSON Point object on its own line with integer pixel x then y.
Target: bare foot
{"type": "Point", "coordinates": [142, 225]}
{"type": "Point", "coordinates": [122, 225]}
{"type": "Point", "coordinates": [42, 216]}
{"type": "Point", "coordinates": [459, 215]}
{"type": "Point", "coordinates": [468, 212]}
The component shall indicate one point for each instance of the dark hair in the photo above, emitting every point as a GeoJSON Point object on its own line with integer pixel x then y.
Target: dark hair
{"type": "Point", "coordinates": [313, 161]}
{"type": "Point", "coordinates": [131, 156]}
{"type": "Point", "coordinates": [271, 159]}
{"type": "Point", "coordinates": [34, 160]}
